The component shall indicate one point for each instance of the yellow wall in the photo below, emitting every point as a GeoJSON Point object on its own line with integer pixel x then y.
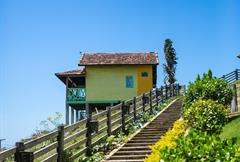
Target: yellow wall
{"type": "Point", "coordinates": [144, 83]}
{"type": "Point", "coordinates": [108, 83]}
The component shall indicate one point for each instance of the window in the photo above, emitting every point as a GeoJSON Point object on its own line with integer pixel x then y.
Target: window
{"type": "Point", "coordinates": [129, 81]}
{"type": "Point", "coordinates": [144, 74]}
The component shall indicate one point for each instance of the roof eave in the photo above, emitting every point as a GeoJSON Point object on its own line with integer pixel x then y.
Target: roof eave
{"type": "Point", "coordinates": [114, 64]}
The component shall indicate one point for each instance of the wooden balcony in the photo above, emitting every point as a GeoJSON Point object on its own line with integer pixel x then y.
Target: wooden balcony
{"type": "Point", "coordinates": [76, 95]}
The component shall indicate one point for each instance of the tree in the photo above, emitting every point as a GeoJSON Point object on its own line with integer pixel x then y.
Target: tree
{"type": "Point", "coordinates": [171, 62]}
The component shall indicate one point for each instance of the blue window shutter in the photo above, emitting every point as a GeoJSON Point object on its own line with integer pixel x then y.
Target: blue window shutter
{"type": "Point", "coordinates": [129, 81]}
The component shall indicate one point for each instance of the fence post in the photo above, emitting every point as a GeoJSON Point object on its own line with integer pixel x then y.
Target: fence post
{"type": "Point", "coordinates": [174, 90]}
{"type": "Point", "coordinates": [143, 102]}
{"type": "Point", "coordinates": [156, 92]}
{"type": "Point", "coordinates": [134, 109]}
{"type": "Point", "coordinates": [234, 104]}
{"type": "Point", "coordinates": [162, 94]}
{"type": "Point", "coordinates": [21, 155]}
{"type": "Point", "coordinates": [60, 141]}
{"type": "Point", "coordinates": [89, 135]}
{"type": "Point", "coordinates": [109, 129]}
{"type": "Point", "coordinates": [123, 117]}
{"type": "Point", "coordinates": [177, 90]}
{"type": "Point", "coordinates": [19, 149]}
{"type": "Point", "coordinates": [166, 92]}
{"type": "Point", "coordinates": [223, 77]}
{"type": "Point", "coordinates": [150, 101]}
{"type": "Point", "coordinates": [236, 74]}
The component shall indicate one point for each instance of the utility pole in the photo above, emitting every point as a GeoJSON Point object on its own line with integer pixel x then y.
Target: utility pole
{"type": "Point", "coordinates": [1, 144]}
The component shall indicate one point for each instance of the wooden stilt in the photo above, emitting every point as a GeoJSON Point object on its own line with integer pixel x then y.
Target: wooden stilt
{"type": "Point", "coordinates": [67, 114]}
{"type": "Point", "coordinates": [87, 109]}
{"type": "Point", "coordinates": [77, 115]}
{"type": "Point", "coordinates": [67, 105]}
{"type": "Point", "coordinates": [72, 115]}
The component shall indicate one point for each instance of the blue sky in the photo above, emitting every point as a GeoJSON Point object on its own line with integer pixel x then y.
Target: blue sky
{"type": "Point", "coordinates": [39, 38]}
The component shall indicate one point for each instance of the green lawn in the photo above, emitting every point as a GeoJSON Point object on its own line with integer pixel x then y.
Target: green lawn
{"type": "Point", "coordinates": [232, 129]}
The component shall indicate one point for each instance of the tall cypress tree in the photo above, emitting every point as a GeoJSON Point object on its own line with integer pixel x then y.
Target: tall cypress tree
{"type": "Point", "coordinates": [170, 64]}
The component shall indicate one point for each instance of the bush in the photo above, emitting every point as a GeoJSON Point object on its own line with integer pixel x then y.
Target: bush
{"type": "Point", "coordinates": [208, 87]}
{"type": "Point", "coordinates": [199, 146]}
{"type": "Point", "coordinates": [168, 140]}
{"type": "Point", "coordinates": [206, 115]}
{"type": "Point", "coordinates": [100, 150]}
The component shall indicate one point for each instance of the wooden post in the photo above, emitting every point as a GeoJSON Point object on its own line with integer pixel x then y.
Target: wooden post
{"type": "Point", "coordinates": [77, 115]}
{"type": "Point", "coordinates": [177, 89]}
{"type": "Point", "coordinates": [173, 90]}
{"type": "Point", "coordinates": [123, 117]}
{"type": "Point", "coordinates": [156, 92]}
{"type": "Point", "coordinates": [67, 114]}
{"type": "Point", "coordinates": [67, 105]}
{"type": "Point", "coordinates": [21, 155]}
{"type": "Point", "coordinates": [19, 149]}
{"type": "Point", "coordinates": [134, 109]}
{"type": "Point", "coordinates": [88, 111]}
{"type": "Point", "coordinates": [166, 92]}
{"type": "Point", "coordinates": [234, 104]}
{"type": "Point", "coordinates": [143, 102]}
{"type": "Point", "coordinates": [170, 90]}
{"type": "Point", "coordinates": [109, 127]}
{"type": "Point", "coordinates": [60, 141]}
{"type": "Point", "coordinates": [236, 74]}
{"type": "Point", "coordinates": [89, 133]}
{"type": "Point", "coordinates": [162, 94]}
{"type": "Point", "coordinates": [150, 102]}
{"type": "Point", "coordinates": [72, 115]}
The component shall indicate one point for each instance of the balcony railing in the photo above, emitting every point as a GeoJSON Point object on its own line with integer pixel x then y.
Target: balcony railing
{"type": "Point", "coordinates": [76, 94]}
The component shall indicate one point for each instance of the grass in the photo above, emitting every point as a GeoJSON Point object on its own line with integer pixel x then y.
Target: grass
{"type": "Point", "coordinates": [232, 130]}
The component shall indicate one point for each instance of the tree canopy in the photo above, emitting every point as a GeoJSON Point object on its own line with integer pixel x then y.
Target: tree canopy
{"type": "Point", "coordinates": [170, 62]}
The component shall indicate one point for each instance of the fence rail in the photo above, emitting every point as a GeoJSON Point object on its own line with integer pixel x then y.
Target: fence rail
{"type": "Point", "coordinates": [81, 137]}
{"type": "Point", "coordinates": [232, 77]}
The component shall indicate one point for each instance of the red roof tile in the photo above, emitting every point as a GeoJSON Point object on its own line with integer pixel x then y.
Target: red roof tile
{"type": "Point", "coordinates": [147, 58]}
{"type": "Point", "coordinates": [72, 72]}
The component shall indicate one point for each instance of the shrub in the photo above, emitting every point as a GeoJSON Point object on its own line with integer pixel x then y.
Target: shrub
{"type": "Point", "coordinates": [199, 146]}
{"type": "Point", "coordinates": [206, 115]}
{"type": "Point", "coordinates": [208, 87]}
{"type": "Point", "coordinates": [168, 140]}
{"type": "Point", "coordinates": [100, 150]}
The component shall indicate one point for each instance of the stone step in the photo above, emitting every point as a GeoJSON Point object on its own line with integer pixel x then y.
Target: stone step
{"type": "Point", "coordinates": [139, 144]}
{"type": "Point", "coordinates": [132, 160]}
{"type": "Point", "coordinates": [123, 157]}
{"type": "Point", "coordinates": [143, 141]}
{"type": "Point", "coordinates": [137, 149]}
{"type": "Point", "coordinates": [125, 148]}
{"type": "Point", "coordinates": [137, 152]}
{"type": "Point", "coordinates": [143, 138]}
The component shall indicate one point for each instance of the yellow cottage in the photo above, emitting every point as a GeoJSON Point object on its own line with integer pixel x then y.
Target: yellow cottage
{"type": "Point", "coordinates": [108, 78]}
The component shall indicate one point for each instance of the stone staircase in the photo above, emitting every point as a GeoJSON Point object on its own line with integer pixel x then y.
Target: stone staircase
{"type": "Point", "coordinates": [137, 149]}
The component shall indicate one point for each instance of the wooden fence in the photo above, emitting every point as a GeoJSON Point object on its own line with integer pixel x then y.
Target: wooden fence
{"type": "Point", "coordinates": [232, 77]}
{"type": "Point", "coordinates": [81, 137]}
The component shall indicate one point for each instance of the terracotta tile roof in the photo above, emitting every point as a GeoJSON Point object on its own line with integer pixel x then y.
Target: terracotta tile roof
{"type": "Point", "coordinates": [72, 72]}
{"type": "Point", "coordinates": [147, 58]}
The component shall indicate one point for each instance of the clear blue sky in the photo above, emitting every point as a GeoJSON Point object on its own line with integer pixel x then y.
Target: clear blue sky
{"type": "Point", "coordinates": [39, 38]}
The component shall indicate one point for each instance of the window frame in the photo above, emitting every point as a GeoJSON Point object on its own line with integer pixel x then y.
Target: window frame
{"type": "Point", "coordinates": [144, 74]}
{"type": "Point", "coordinates": [129, 78]}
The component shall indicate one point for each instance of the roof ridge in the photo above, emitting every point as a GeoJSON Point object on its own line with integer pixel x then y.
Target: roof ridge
{"type": "Point", "coordinates": [112, 53]}
{"type": "Point", "coordinates": [119, 58]}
